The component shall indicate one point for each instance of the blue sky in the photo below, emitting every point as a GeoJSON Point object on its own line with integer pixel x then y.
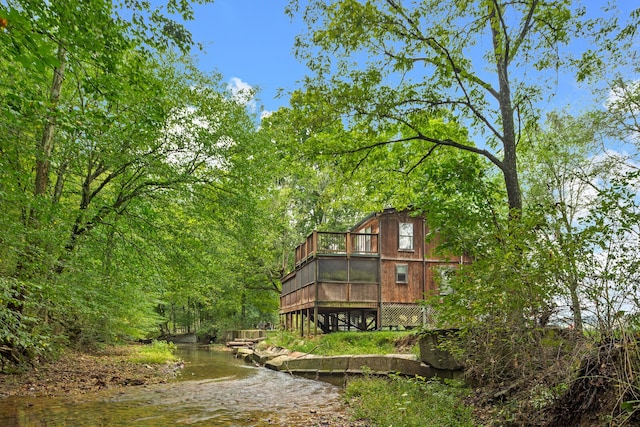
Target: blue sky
{"type": "Point", "coordinates": [249, 40]}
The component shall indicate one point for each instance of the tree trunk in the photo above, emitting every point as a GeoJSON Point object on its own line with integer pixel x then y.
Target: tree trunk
{"type": "Point", "coordinates": [575, 305]}
{"type": "Point", "coordinates": [57, 191]}
{"type": "Point", "coordinates": [512, 184]}
{"type": "Point", "coordinates": [45, 148]}
{"type": "Point", "coordinates": [509, 164]}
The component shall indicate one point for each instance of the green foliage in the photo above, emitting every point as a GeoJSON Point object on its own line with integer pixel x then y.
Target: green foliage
{"type": "Point", "coordinates": [416, 79]}
{"type": "Point", "coordinates": [505, 285]}
{"type": "Point", "coordinates": [135, 156]}
{"type": "Point", "coordinates": [499, 303]}
{"type": "Point", "coordinates": [157, 352]}
{"type": "Point", "coordinates": [611, 233]}
{"type": "Point", "coordinates": [585, 207]}
{"type": "Point", "coordinates": [23, 337]}
{"type": "Point", "coordinates": [458, 185]}
{"type": "Point", "coordinates": [308, 191]}
{"type": "Point", "coordinates": [407, 402]}
{"type": "Point", "coordinates": [541, 396]}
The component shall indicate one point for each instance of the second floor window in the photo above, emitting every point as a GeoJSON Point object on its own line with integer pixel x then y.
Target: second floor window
{"type": "Point", "coordinates": [405, 236]}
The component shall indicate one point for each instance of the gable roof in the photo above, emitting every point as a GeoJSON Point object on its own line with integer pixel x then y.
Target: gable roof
{"type": "Point", "coordinates": [386, 211]}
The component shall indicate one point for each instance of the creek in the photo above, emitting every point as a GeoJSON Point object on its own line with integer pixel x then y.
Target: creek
{"type": "Point", "coordinates": [214, 389]}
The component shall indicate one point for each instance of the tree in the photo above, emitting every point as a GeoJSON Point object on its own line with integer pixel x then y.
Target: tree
{"type": "Point", "coordinates": [87, 165]}
{"type": "Point", "coordinates": [305, 185]}
{"type": "Point", "coordinates": [383, 68]}
{"type": "Point", "coordinates": [86, 37]}
{"type": "Point", "coordinates": [560, 170]}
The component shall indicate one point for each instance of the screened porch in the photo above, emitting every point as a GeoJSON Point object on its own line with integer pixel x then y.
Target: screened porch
{"type": "Point", "coordinates": [334, 273]}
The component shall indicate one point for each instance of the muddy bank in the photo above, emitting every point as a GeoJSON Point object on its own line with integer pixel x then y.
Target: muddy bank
{"type": "Point", "coordinates": [78, 373]}
{"type": "Point", "coordinates": [213, 389]}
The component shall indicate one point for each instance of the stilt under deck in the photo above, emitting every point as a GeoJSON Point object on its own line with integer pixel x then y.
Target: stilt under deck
{"type": "Point", "coordinates": [310, 321]}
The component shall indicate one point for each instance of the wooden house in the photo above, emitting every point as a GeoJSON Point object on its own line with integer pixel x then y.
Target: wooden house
{"type": "Point", "coordinates": [369, 277]}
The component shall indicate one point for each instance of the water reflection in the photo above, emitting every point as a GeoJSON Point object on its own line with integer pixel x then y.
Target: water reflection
{"type": "Point", "coordinates": [201, 363]}
{"type": "Point", "coordinates": [215, 390]}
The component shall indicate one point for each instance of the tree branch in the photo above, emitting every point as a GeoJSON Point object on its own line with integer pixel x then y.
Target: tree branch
{"type": "Point", "coordinates": [526, 27]}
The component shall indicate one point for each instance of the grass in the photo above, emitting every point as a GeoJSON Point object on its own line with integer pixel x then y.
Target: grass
{"type": "Point", "coordinates": [408, 402]}
{"type": "Point", "coordinates": [339, 343]}
{"type": "Point", "coordinates": [157, 353]}
{"type": "Point", "coordinates": [386, 401]}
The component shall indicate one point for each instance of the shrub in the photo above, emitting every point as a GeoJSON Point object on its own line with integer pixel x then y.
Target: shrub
{"type": "Point", "coordinates": [407, 402]}
{"type": "Point", "coordinates": [156, 353]}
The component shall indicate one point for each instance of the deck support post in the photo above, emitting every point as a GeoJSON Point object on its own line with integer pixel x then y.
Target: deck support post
{"type": "Point", "coordinates": [315, 320]}
{"type": "Point", "coordinates": [300, 323]}
{"type": "Point", "coordinates": [308, 322]}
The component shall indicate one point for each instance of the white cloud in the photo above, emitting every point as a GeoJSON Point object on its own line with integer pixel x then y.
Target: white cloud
{"type": "Point", "coordinates": [623, 97]}
{"type": "Point", "coordinates": [189, 138]}
{"type": "Point", "coordinates": [242, 92]}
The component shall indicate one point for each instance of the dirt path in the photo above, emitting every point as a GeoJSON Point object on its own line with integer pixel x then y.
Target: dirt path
{"type": "Point", "coordinates": [77, 373]}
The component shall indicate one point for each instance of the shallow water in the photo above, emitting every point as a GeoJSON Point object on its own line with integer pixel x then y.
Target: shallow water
{"type": "Point", "coordinates": [214, 389]}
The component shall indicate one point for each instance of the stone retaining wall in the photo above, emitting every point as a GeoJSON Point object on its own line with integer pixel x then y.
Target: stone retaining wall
{"type": "Point", "coordinates": [310, 365]}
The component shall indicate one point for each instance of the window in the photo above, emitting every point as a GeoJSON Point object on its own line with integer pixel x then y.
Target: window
{"type": "Point", "coordinates": [405, 236]}
{"type": "Point", "coordinates": [402, 273]}
{"type": "Point", "coordinates": [444, 277]}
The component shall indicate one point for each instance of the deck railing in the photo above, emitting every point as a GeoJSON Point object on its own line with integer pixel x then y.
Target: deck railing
{"type": "Point", "coordinates": [323, 242]}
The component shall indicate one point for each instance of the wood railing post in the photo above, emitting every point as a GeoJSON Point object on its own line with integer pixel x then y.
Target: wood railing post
{"type": "Point", "coordinates": [314, 242]}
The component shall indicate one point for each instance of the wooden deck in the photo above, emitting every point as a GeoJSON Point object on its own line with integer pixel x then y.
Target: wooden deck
{"type": "Point", "coordinates": [333, 268]}
{"type": "Point", "coordinates": [334, 273]}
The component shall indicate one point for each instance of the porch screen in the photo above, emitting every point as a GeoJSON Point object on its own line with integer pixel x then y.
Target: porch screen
{"type": "Point", "coordinates": [307, 274]}
{"type": "Point", "coordinates": [363, 271]}
{"type": "Point", "coordinates": [287, 286]}
{"type": "Point", "coordinates": [332, 270]}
